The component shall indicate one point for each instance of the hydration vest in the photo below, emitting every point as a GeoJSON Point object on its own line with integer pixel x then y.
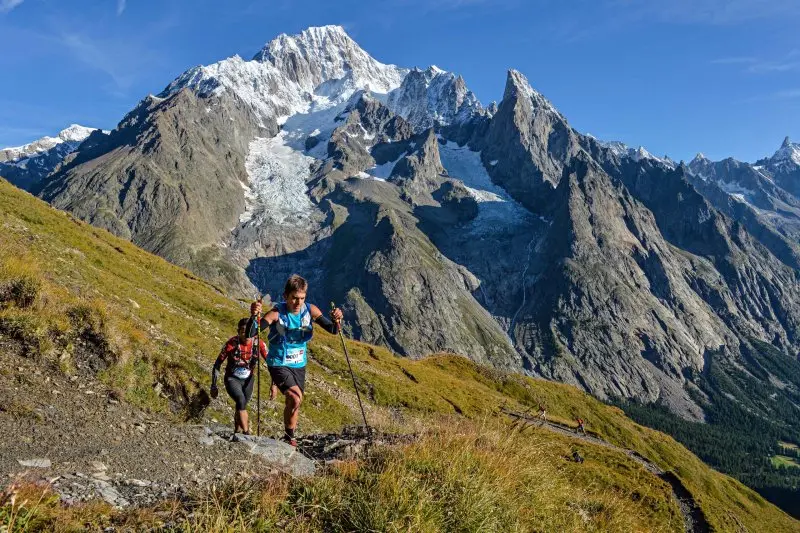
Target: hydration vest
{"type": "Point", "coordinates": [288, 337]}
{"type": "Point", "coordinates": [241, 362]}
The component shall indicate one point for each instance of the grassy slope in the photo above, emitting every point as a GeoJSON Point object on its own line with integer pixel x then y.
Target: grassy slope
{"type": "Point", "coordinates": [69, 287]}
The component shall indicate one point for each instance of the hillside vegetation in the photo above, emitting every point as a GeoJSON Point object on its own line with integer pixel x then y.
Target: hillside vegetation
{"type": "Point", "coordinates": [79, 299]}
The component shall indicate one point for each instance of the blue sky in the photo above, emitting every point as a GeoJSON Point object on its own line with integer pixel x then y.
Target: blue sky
{"type": "Point", "coordinates": [677, 76]}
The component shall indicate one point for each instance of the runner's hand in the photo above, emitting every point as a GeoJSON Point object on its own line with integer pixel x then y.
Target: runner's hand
{"type": "Point", "coordinates": [337, 315]}
{"type": "Point", "coordinates": [255, 308]}
{"type": "Point", "coordinates": [273, 392]}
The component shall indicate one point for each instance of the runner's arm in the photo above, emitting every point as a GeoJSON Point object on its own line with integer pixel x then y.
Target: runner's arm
{"type": "Point", "coordinates": [266, 320]}
{"type": "Point", "coordinates": [223, 353]}
{"type": "Point", "coordinates": [324, 322]}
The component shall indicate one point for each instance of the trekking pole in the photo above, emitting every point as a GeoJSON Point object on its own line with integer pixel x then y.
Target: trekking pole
{"type": "Point", "coordinates": [258, 371]}
{"type": "Point", "coordinates": [352, 375]}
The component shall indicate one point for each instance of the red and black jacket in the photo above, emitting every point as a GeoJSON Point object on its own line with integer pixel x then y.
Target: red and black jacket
{"type": "Point", "coordinates": [238, 355]}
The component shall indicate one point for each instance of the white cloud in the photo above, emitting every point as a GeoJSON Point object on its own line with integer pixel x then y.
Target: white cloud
{"type": "Point", "coordinates": [121, 6]}
{"type": "Point", "coordinates": [8, 5]}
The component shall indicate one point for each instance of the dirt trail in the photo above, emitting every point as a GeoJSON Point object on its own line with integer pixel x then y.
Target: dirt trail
{"type": "Point", "coordinates": [693, 518]}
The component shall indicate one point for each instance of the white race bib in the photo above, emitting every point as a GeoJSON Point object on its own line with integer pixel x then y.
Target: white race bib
{"type": "Point", "coordinates": [241, 372]}
{"type": "Point", "coordinates": [295, 355]}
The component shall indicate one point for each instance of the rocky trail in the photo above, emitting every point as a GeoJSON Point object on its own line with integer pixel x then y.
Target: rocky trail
{"type": "Point", "coordinates": [72, 433]}
{"type": "Point", "coordinates": [693, 518]}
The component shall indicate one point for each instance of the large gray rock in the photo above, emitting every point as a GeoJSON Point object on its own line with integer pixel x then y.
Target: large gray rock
{"type": "Point", "coordinates": [284, 457]}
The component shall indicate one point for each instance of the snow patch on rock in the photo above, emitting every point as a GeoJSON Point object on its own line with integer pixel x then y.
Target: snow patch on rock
{"type": "Point", "coordinates": [496, 209]}
{"type": "Point", "coordinates": [464, 164]}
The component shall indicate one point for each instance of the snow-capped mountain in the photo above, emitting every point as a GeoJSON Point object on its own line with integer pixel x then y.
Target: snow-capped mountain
{"type": "Point", "coordinates": [621, 149]}
{"type": "Point", "coordinates": [787, 154]}
{"type": "Point", "coordinates": [72, 136]}
{"type": "Point", "coordinates": [323, 67]}
{"type": "Point", "coordinates": [26, 165]}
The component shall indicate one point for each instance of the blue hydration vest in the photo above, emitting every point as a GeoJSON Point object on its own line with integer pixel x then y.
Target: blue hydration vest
{"type": "Point", "coordinates": [289, 336]}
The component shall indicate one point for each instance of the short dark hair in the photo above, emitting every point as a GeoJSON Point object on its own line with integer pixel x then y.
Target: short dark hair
{"type": "Point", "coordinates": [295, 283]}
{"type": "Point", "coordinates": [242, 323]}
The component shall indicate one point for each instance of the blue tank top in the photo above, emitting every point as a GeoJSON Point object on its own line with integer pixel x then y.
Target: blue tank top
{"type": "Point", "coordinates": [289, 336]}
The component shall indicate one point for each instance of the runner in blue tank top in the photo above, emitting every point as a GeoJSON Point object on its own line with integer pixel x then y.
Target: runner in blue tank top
{"type": "Point", "coordinates": [290, 326]}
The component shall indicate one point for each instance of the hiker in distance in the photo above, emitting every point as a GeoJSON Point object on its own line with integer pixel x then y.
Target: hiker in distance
{"type": "Point", "coordinates": [289, 328]}
{"type": "Point", "coordinates": [239, 379]}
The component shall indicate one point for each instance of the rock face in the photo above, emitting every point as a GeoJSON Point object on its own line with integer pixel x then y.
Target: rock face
{"type": "Point", "coordinates": [433, 96]}
{"type": "Point", "coordinates": [531, 142]}
{"type": "Point", "coordinates": [500, 233]}
{"type": "Point", "coordinates": [170, 177]}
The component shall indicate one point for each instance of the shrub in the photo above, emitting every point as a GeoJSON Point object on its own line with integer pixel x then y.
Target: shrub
{"type": "Point", "coordinates": [21, 292]}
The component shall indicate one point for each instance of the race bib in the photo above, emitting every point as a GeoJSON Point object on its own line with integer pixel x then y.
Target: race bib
{"type": "Point", "coordinates": [295, 355]}
{"type": "Point", "coordinates": [241, 372]}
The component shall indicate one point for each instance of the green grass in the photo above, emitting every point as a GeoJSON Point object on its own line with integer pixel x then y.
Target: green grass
{"type": "Point", "coordinates": [781, 461]}
{"type": "Point", "coordinates": [65, 285]}
{"type": "Point", "coordinates": [788, 445]}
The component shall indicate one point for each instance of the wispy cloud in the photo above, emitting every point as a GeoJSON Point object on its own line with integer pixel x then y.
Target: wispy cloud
{"type": "Point", "coordinates": [775, 96]}
{"type": "Point", "coordinates": [754, 65]}
{"type": "Point", "coordinates": [97, 56]}
{"type": "Point", "coordinates": [8, 5]}
{"type": "Point", "coordinates": [121, 6]}
{"type": "Point", "coordinates": [739, 60]}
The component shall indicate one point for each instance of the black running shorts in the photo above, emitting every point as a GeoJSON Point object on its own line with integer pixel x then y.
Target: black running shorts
{"type": "Point", "coordinates": [286, 377]}
{"type": "Point", "coordinates": [241, 390]}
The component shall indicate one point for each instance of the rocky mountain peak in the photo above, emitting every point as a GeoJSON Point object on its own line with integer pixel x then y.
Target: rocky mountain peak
{"type": "Point", "coordinates": [420, 172]}
{"type": "Point", "coordinates": [789, 152]}
{"type": "Point", "coordinates": [433, 96]}
{"type": "Point", "coordinates": [699, 165]}
{"type": "Point", "coordinates": [315, 69]}
{"type": "Point", "coordinates": [74, 134]}
{"type": "Point", "coordinates": [517, 86]}
{"type": "Point", "coordinates": [322, 54]}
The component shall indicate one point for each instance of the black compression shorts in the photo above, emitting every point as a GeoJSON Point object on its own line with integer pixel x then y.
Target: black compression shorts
{"type": "Point", "coordinates": [241, 390]}
{"type": "Point", "coordinates": [286, 377]}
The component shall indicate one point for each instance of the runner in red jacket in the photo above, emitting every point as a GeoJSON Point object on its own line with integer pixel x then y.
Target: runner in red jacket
{"type": "Point", "coordinates": [239, 376]}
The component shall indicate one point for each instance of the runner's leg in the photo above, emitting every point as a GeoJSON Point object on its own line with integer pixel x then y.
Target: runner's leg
{"type": "Point", "coordinates": [291, 412]}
